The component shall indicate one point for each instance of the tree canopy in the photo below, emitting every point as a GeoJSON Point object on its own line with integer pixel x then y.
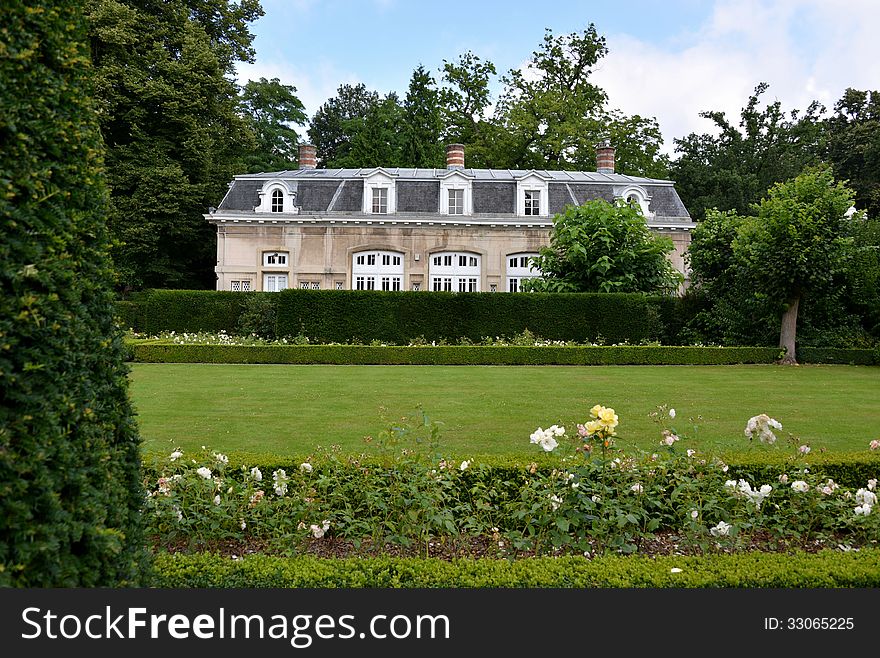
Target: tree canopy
{"type": "Point", "coordinates": [603, 247]}
{"type": "Point", "coordinates": [270, 108]}
{"type": "Point", "coordinates": [169, 116]}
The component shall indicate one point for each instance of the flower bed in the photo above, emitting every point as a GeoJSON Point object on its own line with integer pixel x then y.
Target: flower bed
{"type": "Point", "coordinates": [592, 500]}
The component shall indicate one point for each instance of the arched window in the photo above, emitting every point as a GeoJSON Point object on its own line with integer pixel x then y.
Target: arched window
{"type": "Point", "coordinates": [377, 270]}
{"type": "Point", "coordinates": [277, 201]}
{"type": "Point", "coordinates": [455, 272]}
{"type": "Point", "coordinates": [519, 267]}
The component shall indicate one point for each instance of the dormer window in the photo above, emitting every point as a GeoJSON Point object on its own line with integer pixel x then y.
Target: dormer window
{"type": "Point", "coordinates": [380, 200]}
{"type": "Point", "coordinates": [455, 194]}
{"type": "Point", "coordinates": [277, 201]}
{"type": "Point", "coordinates": [532, 195]}
{"type": "Point", "coordinates": [379, 192]}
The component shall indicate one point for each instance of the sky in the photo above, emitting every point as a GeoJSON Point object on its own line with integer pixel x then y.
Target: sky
{"type": "Point", "coordinates": [670, 59]}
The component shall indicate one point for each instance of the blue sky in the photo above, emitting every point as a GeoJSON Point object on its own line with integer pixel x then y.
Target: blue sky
{"type": "Point", "coordinates": [669, 59]}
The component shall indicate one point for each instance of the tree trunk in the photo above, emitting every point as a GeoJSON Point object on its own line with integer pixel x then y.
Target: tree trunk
{"type": "Point", "coordinates": [788, 332]}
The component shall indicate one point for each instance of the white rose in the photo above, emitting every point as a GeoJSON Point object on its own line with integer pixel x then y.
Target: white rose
{"type": "Point", "coordinates": [205, 472]}
{"type": "Point", "coordinates": [305, 467]}
{"type": "Point", "coordinates": [800, 486]}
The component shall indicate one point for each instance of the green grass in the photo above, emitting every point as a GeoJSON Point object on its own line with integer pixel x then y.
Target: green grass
{"type": "Point", "coordinates": [492, 410]}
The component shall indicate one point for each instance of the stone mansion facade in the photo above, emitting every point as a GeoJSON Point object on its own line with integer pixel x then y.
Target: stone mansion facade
{"type": "Point", "coordinates": [453, 229]}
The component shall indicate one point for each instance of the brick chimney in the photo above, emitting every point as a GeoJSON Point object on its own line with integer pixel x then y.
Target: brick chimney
{"type": "Point", "coordinates": [455, 156]}
{"type": "Point", "coordinates": [308, 156]}
{"type": "Point", "coordinates": [604, 157]}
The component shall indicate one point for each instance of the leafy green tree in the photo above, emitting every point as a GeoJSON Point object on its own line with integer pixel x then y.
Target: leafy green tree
{"type": "Point", "coordinates": [422, 123]}
{"type": "Point", "coordinates": [603, 247]}
{"type": "Point", "coordinates": [169, 115]}
{"type": "Point", "coordinates": [70, 481]}
{"type": "Point", "coordinates": [733, 167]}
{"type": "Point", "coordinates": [853, 146]}
{"type": "Point", "coordinates": [376, 140]}
{"type": "Point", "coordinates": [553, 116]}
{"type": "Point", "coordinates": [270, 108]}
{"type": "Point", "coordinates": [464, 101]}
{"type": "Point", "coordinates": [797, 245]}
{"type": "Point", "coordinates": [336, 121]}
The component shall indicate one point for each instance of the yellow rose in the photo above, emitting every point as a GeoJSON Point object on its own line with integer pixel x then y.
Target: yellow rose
{"type": "Point", "coordinates": [608, 418]}
{"type": "Point", "coordinates": [596, 410]}
{"type": "Point", "coordinates": [593, 426]}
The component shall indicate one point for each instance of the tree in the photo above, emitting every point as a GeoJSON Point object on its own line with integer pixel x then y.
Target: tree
{"type": "Point", "coordinates": [376, 139]}
{"type": "Point", "coordinates": [70, 481]}
{"type": "Point", "coordinates": [332, 128]}
{"type": "Point", "coordinates": [464, 101]}
{"type": "Point", "coordinates": [853, 146]}
{"type": "Point", "coordinates": [796, 246]}
{"type": "Point", "coordinates": [422, 123]}
{"type": "Point", "coordinates": [553, 116]}
{"type": "Point", "coordinates": [602, 247]}
{"type": "Point", "coordinates": [170, 118]}
{"type": "Point", "coordinates": [733, 169]}
{"type": "Point", "coordinates": [270, 108]}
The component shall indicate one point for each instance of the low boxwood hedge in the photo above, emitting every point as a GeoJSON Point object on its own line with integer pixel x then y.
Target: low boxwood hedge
{"type": "Point", "coordinates": [154, 352]}
{"type": "Point", "coordinates": [759, 570]}
{"type": "Point", "coordinates": [163, 352]}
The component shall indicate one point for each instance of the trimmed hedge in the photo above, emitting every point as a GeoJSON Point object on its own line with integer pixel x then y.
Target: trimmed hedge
{"type": "Point", "coordinates": [70, 479]}
{"type": "Point", "coordinates": [344, 316]}
{"type": "Point", "coordinates": [765, 570]}
{"type": "Point", "coordinates": [396, 317]}
{"type": "Point", "coordinates": [163, 352]}
{"type": "Point", "coordinates": [191, 310]}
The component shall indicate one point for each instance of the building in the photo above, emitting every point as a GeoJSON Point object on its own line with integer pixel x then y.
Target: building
{"type": "Point", "coordinates": [455, 229]}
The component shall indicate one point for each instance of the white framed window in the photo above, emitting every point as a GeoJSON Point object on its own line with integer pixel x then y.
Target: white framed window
{"type": "Point", "coordinates": [455, 272]}
{"type": "Point", "coordinates": [339, 285]}
{"type": "Point", "coordinates": [316, 285]}
{"type": "Point", "coordinates": [380, 201]}
{"type": "Point", "coordinates": [637, 196]}
{"type": "Point", "coordinates": [276, 258]}
{"type": "Point", "coordinates": [518, 268]}
{"type": "Point", "coordinates": [377, 270]}
{"type": "Point", "coordinates": [456, 201]}
{"type": "Point", "coordinates": [416, 287]}
{"type": "Point", "coordinates": [240, 285]}
{"type": "Point", "coordinates": [277, 201]}
{"type": "Point", "coordinates": [274, 282]}
{"type": "Point", "coordinates": [303, 285]}
{"type": "Point", "coordinates": [532, 205]}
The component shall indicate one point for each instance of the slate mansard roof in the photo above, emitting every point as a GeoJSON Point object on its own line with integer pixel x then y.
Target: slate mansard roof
{"type": "Point", "coordinates": [325, 194]}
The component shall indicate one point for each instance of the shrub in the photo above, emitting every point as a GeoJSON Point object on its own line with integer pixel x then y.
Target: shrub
{"type": "Point", "coordinates": [70, 481]}
{"type": "Point", "coordinates": [258, 315]}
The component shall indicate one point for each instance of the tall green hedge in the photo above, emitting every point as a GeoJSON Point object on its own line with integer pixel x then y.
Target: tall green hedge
{"type": "Point", "coordinates": [70, 491]}
{"type": "Point", "coordinates": [343, 316]}
{"type": "Point", "coordinates": [192, 310]}
{"type": "Point", "coordinates": [397, 317]}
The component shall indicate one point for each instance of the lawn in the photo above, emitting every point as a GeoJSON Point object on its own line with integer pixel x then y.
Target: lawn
{"type": "Point", "coordinates": [493, 410]}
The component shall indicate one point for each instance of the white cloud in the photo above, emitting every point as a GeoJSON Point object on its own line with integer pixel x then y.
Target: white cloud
{"type": "Point", "coordinates": [313, 87]}
{"type": "Point", "coordinates": [805, 49]}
